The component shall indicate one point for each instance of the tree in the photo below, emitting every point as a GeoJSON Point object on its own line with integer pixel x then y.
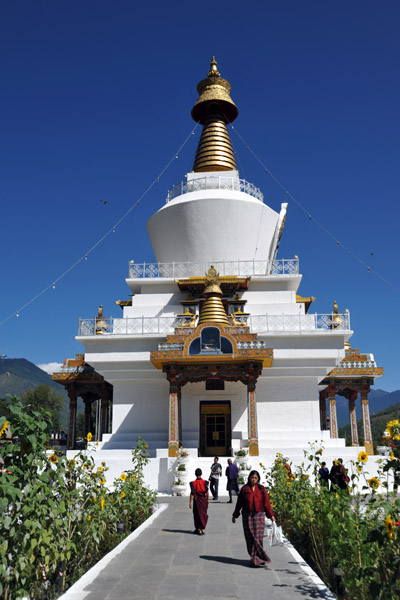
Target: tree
{"type": "Point", "coordinates": [43, 397]}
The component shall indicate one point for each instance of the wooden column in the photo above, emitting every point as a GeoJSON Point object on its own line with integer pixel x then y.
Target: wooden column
{"type": "Point", "coordinates": [173, 438]}
{"type": "Point", "coordinates": [88, 416]}
{"type": "Point", "coordinates": [332, 409]}
{"type": "Point", "coordinates": [352, 397]}
{"type": "Point", "coordinates": [366, 420]}
{"type": "Point", "coordinates": [252, 419]}
{"type": "Point", "coordinates": [73, 402]}
{"type": "Point", "coordinates": [104, 412]}
{"type": "Point", "coordinates": [322, 409]}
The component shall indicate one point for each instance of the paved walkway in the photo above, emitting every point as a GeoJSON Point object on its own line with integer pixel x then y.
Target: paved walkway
{"type": "Point", "coordinates": [168, 562]}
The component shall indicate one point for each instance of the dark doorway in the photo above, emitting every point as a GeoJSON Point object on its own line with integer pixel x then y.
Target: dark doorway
{"type": "Point", "coordinates": [215, 428]}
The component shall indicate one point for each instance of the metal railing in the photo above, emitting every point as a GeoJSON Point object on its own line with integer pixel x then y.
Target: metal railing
{"type": "Point", "coordinates": [215, 182]}
{"type": "Point", "coordinates": [258, 324]}
{"type": "Point", "coordinates": [238, 268]}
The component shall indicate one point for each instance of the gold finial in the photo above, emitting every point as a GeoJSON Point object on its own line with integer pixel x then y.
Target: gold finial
{"type": "Point", "coordinates": [214, 108]}
{"type": "Point", "coordinates": [213, 310]}
{"type": "Point", "coordinates": [213, 72]}
{"type": "Point", "coordinates": [101, 324]}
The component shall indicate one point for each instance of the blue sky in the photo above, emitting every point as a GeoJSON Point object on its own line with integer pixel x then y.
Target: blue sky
{"type": "Point", "coordinates": [96, 98]}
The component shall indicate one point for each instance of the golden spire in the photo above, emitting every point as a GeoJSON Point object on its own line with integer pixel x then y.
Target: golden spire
{"type": "Point", "coordinates": [213, 309]}
{"type": "Point", "coordinates": [214, 108]}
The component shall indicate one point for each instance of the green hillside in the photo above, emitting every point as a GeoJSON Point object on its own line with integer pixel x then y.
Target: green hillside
{"type": "Point", "coordinates": [18, 375]}
{"type": "Point", "coordinates": [378, 424]}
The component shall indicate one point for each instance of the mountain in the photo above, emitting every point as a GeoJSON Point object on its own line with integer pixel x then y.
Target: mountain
{"type": "Point", "coordinates": [18, 375]}
{"type": "Point", "coordinates": [378, 401]}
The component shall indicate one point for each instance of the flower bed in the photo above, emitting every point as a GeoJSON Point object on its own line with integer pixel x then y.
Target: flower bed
{"type": "Point", "coordinates": [343, 531]}
{"type": "Point", "coordinates": [59, 519]}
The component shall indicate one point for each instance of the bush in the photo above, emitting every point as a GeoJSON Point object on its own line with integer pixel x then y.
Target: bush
{"type": "Point", "coordinates": [335, 529]}
{"type": "Point", "coordinates": [58, 517]}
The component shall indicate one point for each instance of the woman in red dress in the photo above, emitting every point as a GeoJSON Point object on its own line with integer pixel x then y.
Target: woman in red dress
{"type": "Point", "coordinates": [253, 502]}
{"type": "Point", "coordinates": [199, 501]}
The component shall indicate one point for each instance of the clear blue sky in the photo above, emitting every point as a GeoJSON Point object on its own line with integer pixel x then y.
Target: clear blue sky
{"type": "Point", "coordinates": [95, 99]}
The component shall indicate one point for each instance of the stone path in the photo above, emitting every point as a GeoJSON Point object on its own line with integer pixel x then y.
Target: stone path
{"type": "Point", "coordinates": [168, 562]}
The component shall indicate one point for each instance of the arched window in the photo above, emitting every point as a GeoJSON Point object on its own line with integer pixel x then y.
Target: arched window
{"type": "Point", "coordinates": [226, 346]}
{"type": "Point", "coordinates": [194, 347]}
{"type": "Point", "coordinates": [210, 340]}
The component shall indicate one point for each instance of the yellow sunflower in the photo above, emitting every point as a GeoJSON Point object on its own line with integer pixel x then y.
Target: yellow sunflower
{"type": "Point", "coordinates": [391, 456]}
{"type": "Point", "coordinates": [89, 517]}
{"type": "Point", "coordinates": [123, 476]}
{"type": "Point", "coordinates": [373, 483]}
{"type": "Point", "coordinates": [89, 437]}
{"type": "Point", "coordinates": [53, 458]}
{"type": "Point", "coordinates": [4, 428]}
{"type": "Point", "coordinates": [389, 526]}
{"type": "Point", "coordinates": [102, 502]}
{"type": "Point", "coordinates": [122, 495]}
{"type": "Point", "coordinates": [393, 428]}
{"type": "Point", "coordinates": [363, 456]}
{"type": "Point", "coordinates": [133, 479]}
{"type": "Point", "coordinates": [289, 483]}
{"type": "Point", "coordinates": [102, 480]}
{"type": "Point", "coordinates": [100, 469]}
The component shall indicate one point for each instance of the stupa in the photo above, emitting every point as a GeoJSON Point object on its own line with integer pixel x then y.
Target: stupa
{"type": "Point", "coordinates": [215, 350]}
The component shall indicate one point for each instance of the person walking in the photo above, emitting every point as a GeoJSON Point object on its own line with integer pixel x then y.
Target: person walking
{"type": "Point", "coordinates": [253, 502]}
{"type": "Point", "coordinates": [232, 474]}
{"type": "Point", "coordinates": [199, 500]}
{"type": "Point", "coordinates": [216, 472]}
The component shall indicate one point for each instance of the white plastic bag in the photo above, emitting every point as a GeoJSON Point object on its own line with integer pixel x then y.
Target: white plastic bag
{"type": "Point", "coordinates": [274, 535]}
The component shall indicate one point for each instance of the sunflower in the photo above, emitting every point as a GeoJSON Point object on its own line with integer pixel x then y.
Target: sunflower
{"type": "Point", "coordinates": [4, 428]}
{"type": "Point", "coordinates": [89, 517]}
{"type": "Point", "coordinates": [122, 495]}
{"type": "Point", "coordinates": [84, 466]}
{"type": "Point", "coordinates": [71, 464]}
{"type": "Point", "coordinates": [102, 480]}
{"type": "Point", "coordinates": [359, 468]}
{"type": "Point", "coordinates": [53, 458]}
{"type": "Point", "coordinates": [363, 456]}
{"type": "Point", "coordinates": [123, 476]}
{"type": "Point", "coordinates": [389, 526]}
{"type": "Point", "coordinates": [146, 446]}
{"type": "Point", "coordinates": [102, 502]}
{"type": "Point", "coordinates": [393, 428]}
{"type": "Point", "coordinates": [133, 479]}
{"type": "Point", "coordinates": [289, 483]}
{"type": "Point", "coordinates": [89, 437]}
{"type": "Point", "coordinates": [373, 483]}
{"type": "Point", "coordinates": [100, 469]}
{"type": "Point", "coordinates": [391, 456]}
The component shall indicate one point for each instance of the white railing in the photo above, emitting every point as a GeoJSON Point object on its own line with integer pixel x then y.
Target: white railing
{"type": "Point", "coordinates": [258, 324]}
{"type": "Point", "coordinates": [215, 182]}
{"type": "Point", "coordinates": [238, 268]}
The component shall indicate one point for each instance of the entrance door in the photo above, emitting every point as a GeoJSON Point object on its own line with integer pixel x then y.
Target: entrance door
{"type": "Point", "coordinates": [215, 428]}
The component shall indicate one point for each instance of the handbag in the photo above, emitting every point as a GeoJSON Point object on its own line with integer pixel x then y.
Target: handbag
{"type": "Point", "coordinates": [275, 535]}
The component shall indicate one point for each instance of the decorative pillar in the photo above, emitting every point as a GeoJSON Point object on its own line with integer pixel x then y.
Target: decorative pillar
{"type": "Point", "coordinates": [353, 417]}
{"type": "Point", "coordinates": [173, 438]}
{"type": "Point", "coordinates": [73, 402]}
{"type": "Point", "coordinates": [88, 415]}
{"type": "Point", "coordinates": [332, 409]}
{"type": "Point", "coordinates": [104, 411]}
{"type": "Point", "coordinates": [322, 409]}
{"type": "Point", "coordinates": [369, 449]}
{"type": "Point", "coordinates": [252, 419]}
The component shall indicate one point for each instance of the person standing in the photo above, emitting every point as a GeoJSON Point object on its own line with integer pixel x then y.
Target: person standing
{"type": "Point", "coordinates": [232, 474]}
{"type": "Point", "coordinates": [216, 472]}
{"type": "Point", "coordinates": [254, 503]}
{"type": "Point", "coordinates": [199, 501]}
{"type": "Point", "coordinates": [323, 473]}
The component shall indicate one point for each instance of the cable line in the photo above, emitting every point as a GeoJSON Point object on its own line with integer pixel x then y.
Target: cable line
{"type": "Point", "coordinates": [105, 235]}
{"type": "Point", "coordinates": [311, 218]}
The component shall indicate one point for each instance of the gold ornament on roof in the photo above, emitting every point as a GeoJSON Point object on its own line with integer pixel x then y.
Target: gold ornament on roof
{"type": "Point", "coordinates": [214, 108]}
{"type": "Point", "coordinates": [213, 310]}
{"type": "Point", "coordinates": [101, 324]}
